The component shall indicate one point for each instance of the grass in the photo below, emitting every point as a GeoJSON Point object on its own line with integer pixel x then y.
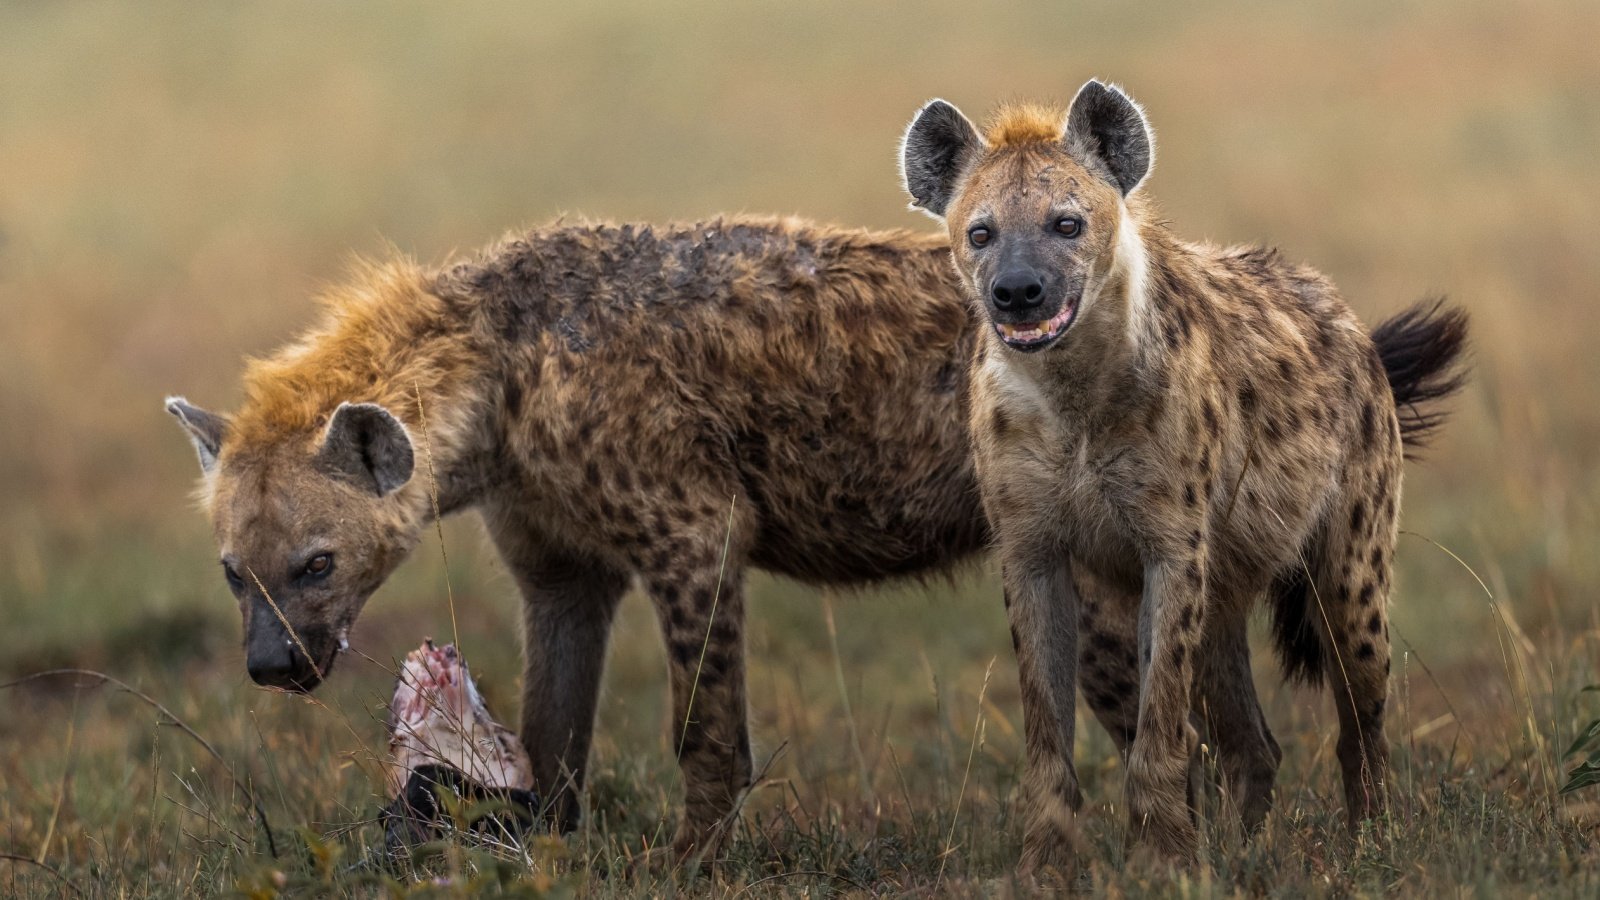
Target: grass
{"type": "Point", "coordinates": [179, 180]}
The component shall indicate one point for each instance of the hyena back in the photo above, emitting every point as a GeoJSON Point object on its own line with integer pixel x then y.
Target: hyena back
{"type": "Point", "coordinates": [1195, 428]}
{"type": "Point", "coordinates": [669, 406]}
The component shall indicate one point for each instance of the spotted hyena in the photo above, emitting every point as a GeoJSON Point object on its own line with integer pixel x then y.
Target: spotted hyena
{"type": "Point", "coordinates": [620, 404]}
{"type": "Point", "coordinates": [1193, 428]}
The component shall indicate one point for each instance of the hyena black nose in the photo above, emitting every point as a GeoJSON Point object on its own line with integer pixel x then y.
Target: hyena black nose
{"type": "Point", "coordinates": [273, 660]}
{"type": "Point", "coordinates": [1017, 289]}
{"type": "Point", "coordinates": [271, 667]}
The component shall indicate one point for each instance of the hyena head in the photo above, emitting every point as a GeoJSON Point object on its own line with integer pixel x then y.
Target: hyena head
{"type": "Point", "coordinates": [1036, 208]}
{"type": "Point", "coordinates": [308, 524]}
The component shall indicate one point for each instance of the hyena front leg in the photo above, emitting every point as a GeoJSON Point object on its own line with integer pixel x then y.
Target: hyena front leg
{"type": "Point", "coordinates": [702, 619]}
{"type": "Point", "coordinates": [568, 605]}
{"type": "Point", "coordinates": [1042, 606]}
{"type": "Point", "coordinates": [1231, 713]}
{"type": "Point", "coordinates": [1352, 585]}
{"type": "Point", "coordinates": [1162, 765]}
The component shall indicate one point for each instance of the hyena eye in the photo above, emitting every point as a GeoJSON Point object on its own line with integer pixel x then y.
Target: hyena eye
{"type": "Point", "coordinates": [1068, 226]}
{"type": "Point", "coordinates": [234, 581]}
{"type": "Point", "coordinates": [319, 565]}
{"type": "Point", "coordinates": [979, 235]}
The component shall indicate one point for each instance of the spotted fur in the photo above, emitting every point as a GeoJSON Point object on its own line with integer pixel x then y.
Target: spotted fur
{"type": "Point", "coordinates": [1208, 427]}
{"type": "Point", "coordinates": [668, 406]}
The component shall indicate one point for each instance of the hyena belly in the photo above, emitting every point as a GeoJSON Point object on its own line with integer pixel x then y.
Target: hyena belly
{"type": "Point", "coordinates": [861, 495]}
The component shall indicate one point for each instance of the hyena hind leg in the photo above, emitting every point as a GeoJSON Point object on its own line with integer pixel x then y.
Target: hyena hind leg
{"type": "Point", "coordinates": [1232, 720]}
{"type": "Point", "coordinates": [1352, 583]}
{"type": "Point", "coordinates": [702, 621]}
{"type": "Point", "coordinates": [1108, 656]}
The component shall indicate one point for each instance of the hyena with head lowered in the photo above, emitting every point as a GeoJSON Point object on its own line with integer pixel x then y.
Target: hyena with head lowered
{"type": "Point", "coordinates": [669, 406]}
{"type": "Point", "coordinates": [1190, 427]}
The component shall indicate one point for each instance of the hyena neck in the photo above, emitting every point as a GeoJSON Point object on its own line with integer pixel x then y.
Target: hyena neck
{"type": "Point", "coordinates": [389, 340]}
{"type": "Point", "coordinates": [1106, 365]}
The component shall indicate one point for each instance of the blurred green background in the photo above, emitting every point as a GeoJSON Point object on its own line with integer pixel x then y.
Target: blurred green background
{"type": "Point", "coordinates": [177, 181]}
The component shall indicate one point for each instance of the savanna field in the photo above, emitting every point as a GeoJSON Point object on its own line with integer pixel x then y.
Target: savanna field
{"type": "Point", "coordinates": [178, 181]}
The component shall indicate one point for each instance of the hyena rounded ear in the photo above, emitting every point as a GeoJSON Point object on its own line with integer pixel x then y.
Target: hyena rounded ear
{"type": "Point", "coordinates": [367, 445]}
{"type": "Point", "coordinates": [204, 429]}
{"type": "Point", "coordinates": [938, 147]}
{"type": "Point", "coordinates": [1107, 127]}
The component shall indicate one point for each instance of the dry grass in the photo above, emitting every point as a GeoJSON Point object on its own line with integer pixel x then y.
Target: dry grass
{"type": "Point", "coordinates": [178, 179]}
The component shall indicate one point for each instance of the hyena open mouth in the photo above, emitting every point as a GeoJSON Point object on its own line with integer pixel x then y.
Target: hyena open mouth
{"type": "Point", "coordinates": [1031, 336]}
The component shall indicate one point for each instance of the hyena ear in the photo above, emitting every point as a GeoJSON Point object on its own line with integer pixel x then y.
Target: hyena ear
{"type": "Point", "coordinates": [205, 430]}
{"type": "Point", "coordinates": [366, 444]}
{"type": "Point", "coordinates": [1104, 125]}
{"type": "Point", "coordinates": [938, 147]}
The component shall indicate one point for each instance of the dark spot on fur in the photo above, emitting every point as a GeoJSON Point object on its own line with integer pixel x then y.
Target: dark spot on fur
{"type": "Point", "coordinates": [685, 652]}
{"type": "Point", "coordinates": [711, 672]}
{"type": "Point", "coordinates": [693, 741]}
{"type": "Point", "coordinates": [1247, 397]}
{"type": "Point", "coordinates": [1000, 424]}
{"type": "Point", "coordinates": [1358, 514]}
{"type": "Point", "coordinates": [1369, 424]}
{"type": "Point", "coordinates": [591, 474]}
{"type": "Point", "coordinates": [1365, 651]}
{"type": "Point", "coordinates": [513, 391]}
{"type": "Point", "coordinates": [1365, 597]}
{"type": "Point", "coordinates": [1189, 498]}
{"type": "Point", "coordinates": [1375, 624]}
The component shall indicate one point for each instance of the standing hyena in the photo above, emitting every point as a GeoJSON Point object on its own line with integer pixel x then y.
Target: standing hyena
{"type": "Point", "coordinates": [618, 403]}
{"type": "Point", "coordinates": [1217, 427]}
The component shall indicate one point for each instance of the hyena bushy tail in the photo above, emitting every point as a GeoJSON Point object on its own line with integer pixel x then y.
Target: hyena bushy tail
{"type": "Point", "coordinates": [1422, 352]}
